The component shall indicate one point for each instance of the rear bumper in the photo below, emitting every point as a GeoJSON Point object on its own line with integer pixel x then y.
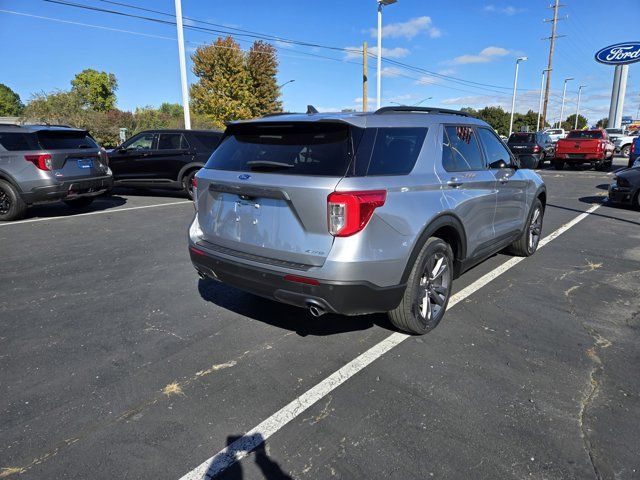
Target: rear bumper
{"type": "Point", "coordinates": [346, 298]}
{"type": "Point", "coordinates": [579, 157]}
{"type": "Point", "coordinates": [69, 189]}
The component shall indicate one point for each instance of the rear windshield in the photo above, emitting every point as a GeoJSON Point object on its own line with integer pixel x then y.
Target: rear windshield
{"type": "Point", "coordinates": [206, 141]}
{"type": "Point", "coordinates": [554, 132]}
{"type": "Point", "coordinates": [50, 140]}
{"type": "Point", "coordinates": [299, 149]}
{"type": "Point", "coordinates": [585, 134]}
{"type": "Point", "coordinates": [16, 141]}
{"type": "Point", "coordinates": [522, 138]}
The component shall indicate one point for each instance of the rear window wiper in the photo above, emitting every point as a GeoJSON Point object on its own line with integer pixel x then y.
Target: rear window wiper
{"type": "Point", "coordinates": [255, 164]}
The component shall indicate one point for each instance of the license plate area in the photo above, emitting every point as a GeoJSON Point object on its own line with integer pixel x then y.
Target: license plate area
{"type": "Point", "coordinates": [84, 163]}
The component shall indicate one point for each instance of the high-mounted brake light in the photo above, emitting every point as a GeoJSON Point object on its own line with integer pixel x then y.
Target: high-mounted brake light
{"type": "Point", "coordinates": [349, 212]}
{"type": "Point", "coordinates": [43, 161]}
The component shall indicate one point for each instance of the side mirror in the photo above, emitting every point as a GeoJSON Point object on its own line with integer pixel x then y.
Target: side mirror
{"type": "Point", "coordinates": [498, 164]}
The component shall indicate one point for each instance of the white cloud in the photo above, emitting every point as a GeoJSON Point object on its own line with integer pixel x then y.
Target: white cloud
{"type": "Point", "coordinates": [391, 72]}
{"type": "Point", "coordinates": [356, 52]}
{"type": "Point", "coordinates": [409, 29]}
{"type": "Point", "coordinates": [281, 44]}
{"type": "Point", "coordinates": [486, 55]}
{"type": "Point", "coordinates": [508, 10]}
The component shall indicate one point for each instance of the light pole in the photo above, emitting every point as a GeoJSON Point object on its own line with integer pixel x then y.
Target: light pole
{"type": "Point", "coordinates": [183, 66]}
{"type": "Point", "coordinates": [575, 127]}
{"type": "Point", "coordinates": [515, 88]}
{"type": "Point", "coordinates": [381, 3]}
{"type": "Point", "coordinates": [421, 101]}
{"type": "Point", "coordinates": [564, 92]}
{"type": "Point", "coordinates": [538, 127]}
{"type": "Point", "coordinates": [285, 83]}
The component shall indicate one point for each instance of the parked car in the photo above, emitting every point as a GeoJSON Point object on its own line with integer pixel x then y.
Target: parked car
{"type": "Point", "coordinates": [614, 133]}
{"type": "Point", "coordinates": [584, 146]}
{"type": "Point", "coordinates": [634, 153]}
{"type": "Point", "coordinates": [532, 149]}
{"type": "Point", "coordinates": [42, 163]}
{"type": "Point", "coordinates": [625, 187]}
{"type": "Point", "coordinates": [623, 143]}
{"type": "Point", "coordinates": [555, 133]}
{"type": "Point", "coordinates": [356, 213]}
{"type": "Point", "coordinates": [162, 158]}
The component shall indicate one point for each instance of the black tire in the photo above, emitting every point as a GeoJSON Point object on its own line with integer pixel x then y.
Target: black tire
{"type": "Point", "coordinates": [12, 207]}
{"type": "Point", "coordinates": [629, 163]}
{"type": "Point", "coordinates": [525, 246]}
{"type": "Point", "coordinates": [558, 165]}
{"type": "Point", "coordinates": [82, 202]}
{"type": "Point", "coordinates": [624, 151]}
{"type": "Point", "coordinates": [413, 315]}
{"type": "Point", "coordinates": [187, 182]}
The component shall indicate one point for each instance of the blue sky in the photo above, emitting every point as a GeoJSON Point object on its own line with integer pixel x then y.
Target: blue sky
{"type": "Point", "coordinates": [473, 40]}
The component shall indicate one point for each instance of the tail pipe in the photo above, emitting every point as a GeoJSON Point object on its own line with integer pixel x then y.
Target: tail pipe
{"type": "Point", "coordinates": [316, 310]}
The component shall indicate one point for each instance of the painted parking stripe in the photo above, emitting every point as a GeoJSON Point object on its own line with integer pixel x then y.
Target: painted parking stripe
{"type": "Point", "coordinates": [257, 435]}
{"type": "Point", "coordinates": [115, 210]}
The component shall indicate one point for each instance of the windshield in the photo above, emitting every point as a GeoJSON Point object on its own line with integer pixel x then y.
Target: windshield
{"type": "Point", "coordinates": [554, 132]}
{"type": "Point", "coordinates": [522, 138]}
{"type": "Point", "coordinates": [615, 131]}
{"type": "Point", "coordinates": [597, 134]}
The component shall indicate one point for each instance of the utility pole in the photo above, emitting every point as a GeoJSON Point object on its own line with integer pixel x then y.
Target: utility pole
{"type": "Point", "coordinates": [183, 66]}
{"type": "Point", "coordinates": [365, 77]}
{"type": "Point", "coordinates": [552, 38]}
{"type": "Point", "coordinates": [575, 127]}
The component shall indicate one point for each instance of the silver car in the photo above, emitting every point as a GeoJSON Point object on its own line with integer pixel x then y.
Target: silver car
{"type": "Point", "coordinates": [43, 163]}
{"type": "Point", "coordinates": [356, 213]}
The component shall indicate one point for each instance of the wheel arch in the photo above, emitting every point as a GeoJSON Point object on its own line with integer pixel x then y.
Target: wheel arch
{"type": "Point", "coordinates": [449, 228]}
{"type": "Point", "coordinates": [187, 168]}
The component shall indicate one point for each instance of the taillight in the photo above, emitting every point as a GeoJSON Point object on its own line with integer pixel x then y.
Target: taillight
{"type": "Point", "coordinates": [536, 149]}
{"type": "Point", "coordinates": [349, 212]}
{"type": "Point", "coordinates": [43, 162]}
{"type": "Point", "coordinates": [633, 148]}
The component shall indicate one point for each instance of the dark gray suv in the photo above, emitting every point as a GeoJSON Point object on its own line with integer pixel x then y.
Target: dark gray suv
{"type": "Point", "coordinates": [357, 213]}
{"type": "Point", "coordinates": [42, 163]}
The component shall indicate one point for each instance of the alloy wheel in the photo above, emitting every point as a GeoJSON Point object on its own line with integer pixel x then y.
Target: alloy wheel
{"type": "Point", "coordinates": [5, 202]}
{"type": "Point", "coordinates": [535, 229]}
{"type": "Point", "coordinates": [434, 289]}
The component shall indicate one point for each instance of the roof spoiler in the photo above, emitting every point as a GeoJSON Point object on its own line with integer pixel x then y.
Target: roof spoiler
{"type": "Point", "coordinates": [410, 109]}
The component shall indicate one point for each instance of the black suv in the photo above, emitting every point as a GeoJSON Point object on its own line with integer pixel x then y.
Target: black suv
{"type": "Point", "coordinates": [163, 158]}
{"type": "Point", "coordinates": [531, 148]}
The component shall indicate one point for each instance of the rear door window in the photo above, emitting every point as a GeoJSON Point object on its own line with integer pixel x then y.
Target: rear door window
{"type": "Point", "coordinates": [60, 140]}
{"type": "Point", "coordinates": [396, 150]}
{"type": "Point", "coordinates": [172, 141]}
{"type": "Point", "coordinates": [206, 141]}
{"type": "Point", "coordinates": [460, 149]}
{"type": "Point", "coordinates": [16, 141]}
{"type": "Point", "coordinates": [295, 148]}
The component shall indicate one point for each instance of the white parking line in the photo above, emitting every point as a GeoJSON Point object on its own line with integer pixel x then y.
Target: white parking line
{"type": "Point", "coordinates": [115, 210]}
{"type": "Point", "coordinates": [257, 435]}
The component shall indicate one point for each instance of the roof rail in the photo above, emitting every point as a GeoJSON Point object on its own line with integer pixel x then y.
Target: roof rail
{"type": "Point", "coordinates": [410, 109]}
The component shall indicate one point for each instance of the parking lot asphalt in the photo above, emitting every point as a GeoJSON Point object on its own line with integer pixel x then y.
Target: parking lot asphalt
{"type": "Point", "coordinates": [116, 361]}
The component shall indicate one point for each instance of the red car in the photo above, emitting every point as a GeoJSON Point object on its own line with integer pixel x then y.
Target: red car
{"type": "Point", "coordinates": [584, 146]}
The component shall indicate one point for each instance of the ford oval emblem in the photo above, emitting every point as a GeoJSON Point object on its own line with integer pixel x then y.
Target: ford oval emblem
{"type": "Point", "coordinates": [619, 54]}
{"type": "Point", "coordinates": [244, 176]}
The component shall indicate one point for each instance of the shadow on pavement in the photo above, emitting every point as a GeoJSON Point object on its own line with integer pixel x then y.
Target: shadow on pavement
{"type": "Point", "coordinates": [594, 199]}
{"type": "Point", "coordinates": [238, 444]}
{"type": "Point", "coordinates": [149, 192]}
{"type": "Point", "coordinates": [285, 316]}
{"type": "Point", "coordinates": [59, 209]}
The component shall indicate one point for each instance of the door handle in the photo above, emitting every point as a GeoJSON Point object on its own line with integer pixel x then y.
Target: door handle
{"type": "Point", "coordinates": [454, 183]}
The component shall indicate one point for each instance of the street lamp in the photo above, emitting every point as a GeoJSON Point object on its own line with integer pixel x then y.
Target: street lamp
{"type": "Point", "coordinates": [381, 3]}
{"type": "Point", "coordinates": [575, 127]}
{"type": "Point", "coordinates": [285, 83]}
{"type": "Point", "coordinates": [421, 101]}
{"type": "Point", "coordinates": [515, 88]}
{"type": "Point", "coordinates": [540, 104]}
{"type": "Point", "coordinates": [564, 92]}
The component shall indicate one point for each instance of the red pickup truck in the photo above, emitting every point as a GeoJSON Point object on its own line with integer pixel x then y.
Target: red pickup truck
{"type": "Point", "coordinates": [584, 146]}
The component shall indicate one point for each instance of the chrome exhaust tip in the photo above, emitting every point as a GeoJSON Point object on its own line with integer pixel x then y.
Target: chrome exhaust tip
{"type": "Point", "coordinates": [316, 311]}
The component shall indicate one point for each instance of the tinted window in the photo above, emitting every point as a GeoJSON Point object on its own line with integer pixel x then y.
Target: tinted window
{"type": "Point", "coordinates": [396, 150]}
{"type": "Point", "coordinates": [172, 141]}
{"type": "Point", "coordinates": [460, 151]}
{"type": "Point", "coordinates": [299, 149]}
{"type": "Point", "coordinates": [585, 134]}
{"type": "Point", "coordinates": [18, 141]}
{"type": "Point", "coordinates": [522, 138]}
{"type": "Point", "coordinates": [52, 140]}
{"type": "Point", "coordinates": [494, 150]}
{"type": "Point", "coordinates": [208, 141]}
{"type": "Point", "coordinates": [141, 142]}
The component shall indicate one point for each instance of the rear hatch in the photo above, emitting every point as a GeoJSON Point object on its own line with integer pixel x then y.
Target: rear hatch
{"type": "Point", "coordinates": [263, 193]}
{"type": "Point", "coordinates": [523, 143]}
{"type": "Point", "coordinates": [74, 154]}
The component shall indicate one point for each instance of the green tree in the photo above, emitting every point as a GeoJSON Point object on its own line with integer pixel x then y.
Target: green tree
{"type": "Point", "coordinates": [602, 123]}
{"type": "Point", "coordinates": [171, 109]}
{"type": "Point", "coordinates": [496, 117]}
{"type": "Point", "coordinates": [58, 107]}
{"type": "Point", "coordinates": [223, 90]}
{"type": "Point", "coordinates": [10, 104]}
{"type": "Point", "coordinates": [96, 89]}
{"type": "Point", "coordinates": [262, 65]}
{"type": "Point", "coordinates": [570, 122]}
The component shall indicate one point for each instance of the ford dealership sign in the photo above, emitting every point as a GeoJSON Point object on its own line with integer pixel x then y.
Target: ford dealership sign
{"type": "Point", "coordinates": [619, 54]}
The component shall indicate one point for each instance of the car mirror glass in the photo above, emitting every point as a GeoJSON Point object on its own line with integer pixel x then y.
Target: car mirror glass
{"type": "Point", "coordinates": [498, 164]}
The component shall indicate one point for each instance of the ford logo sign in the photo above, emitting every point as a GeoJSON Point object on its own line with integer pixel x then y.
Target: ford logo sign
{"type": "Point", "coordinates": [619, 54]}
{"type": "Point", "coordinates": [244, 176]}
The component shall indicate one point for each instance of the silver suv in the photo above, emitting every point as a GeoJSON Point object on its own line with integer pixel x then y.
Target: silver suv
{"type": "Point", "coordinates": [43, 163]}
{"type": "Point", "coordinates": [357, 213]}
